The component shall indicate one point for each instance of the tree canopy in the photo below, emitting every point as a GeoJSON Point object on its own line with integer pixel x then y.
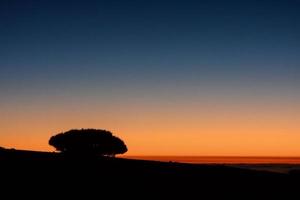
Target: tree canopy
{"type": "Point", "coordinates": [88, 141]}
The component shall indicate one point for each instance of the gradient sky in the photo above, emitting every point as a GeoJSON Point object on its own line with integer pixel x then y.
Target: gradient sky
{"type": "Point", "coordinates": [169, 77]}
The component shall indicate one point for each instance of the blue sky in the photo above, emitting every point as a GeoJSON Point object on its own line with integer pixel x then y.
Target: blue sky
{"type": "Point", "coordinates": [148, 41]}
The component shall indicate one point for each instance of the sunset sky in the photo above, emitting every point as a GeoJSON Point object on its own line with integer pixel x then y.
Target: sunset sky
{"type": "Point", "coordinates": [197, 78]}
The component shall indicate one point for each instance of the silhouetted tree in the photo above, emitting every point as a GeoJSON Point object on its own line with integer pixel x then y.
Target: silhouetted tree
{"type": "Point", "coordinates": [88, 141]}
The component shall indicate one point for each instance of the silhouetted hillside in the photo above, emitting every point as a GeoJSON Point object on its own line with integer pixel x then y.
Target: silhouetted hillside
{"type": "Point", "coordinates": [57, 174]}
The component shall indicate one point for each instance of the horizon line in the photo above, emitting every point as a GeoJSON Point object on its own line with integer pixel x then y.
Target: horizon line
{"type": "Point", "coordinates": [236, 156]}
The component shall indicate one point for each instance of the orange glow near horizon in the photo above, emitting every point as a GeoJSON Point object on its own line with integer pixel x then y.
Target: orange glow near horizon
{"type": "Point", "coordinates": [221, 159]}
{"type": "Point", "coordinates": [179, 130]}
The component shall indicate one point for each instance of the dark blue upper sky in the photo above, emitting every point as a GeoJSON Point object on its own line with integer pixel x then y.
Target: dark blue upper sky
{"type": "Point", "coordinates": [124, 45]}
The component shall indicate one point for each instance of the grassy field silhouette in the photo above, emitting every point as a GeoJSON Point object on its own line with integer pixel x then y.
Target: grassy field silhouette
{"type": "Point", "coordinates": [71, 175]}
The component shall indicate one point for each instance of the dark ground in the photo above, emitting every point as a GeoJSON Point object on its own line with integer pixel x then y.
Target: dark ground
{"type": "Point", "coordinates": [32, 174]}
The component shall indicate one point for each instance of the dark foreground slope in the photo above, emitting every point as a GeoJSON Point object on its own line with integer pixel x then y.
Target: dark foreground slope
{"type": "Point", "coordinates": [31, 173]}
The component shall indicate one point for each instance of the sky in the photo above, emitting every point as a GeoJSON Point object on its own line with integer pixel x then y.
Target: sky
{"type": "Point", "coordinates": [197, 78]}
